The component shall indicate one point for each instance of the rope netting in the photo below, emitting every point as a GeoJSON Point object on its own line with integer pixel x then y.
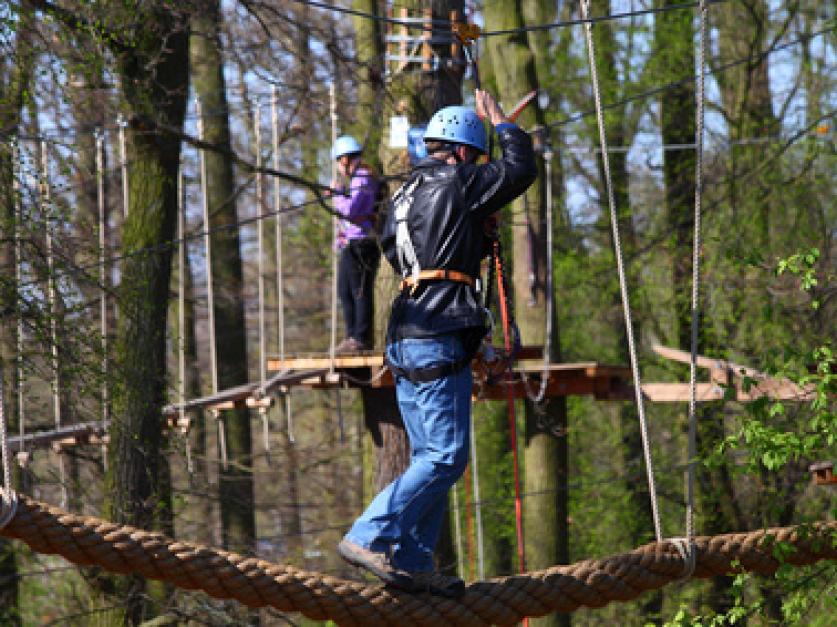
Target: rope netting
{"type": "Point", "coordinates": [88, 541]}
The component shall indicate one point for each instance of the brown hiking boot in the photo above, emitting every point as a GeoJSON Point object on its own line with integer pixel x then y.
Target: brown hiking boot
{"type": "Point", "coordinates": [438, 584]}
{"type": "Point", "coordinates": [376, 563]}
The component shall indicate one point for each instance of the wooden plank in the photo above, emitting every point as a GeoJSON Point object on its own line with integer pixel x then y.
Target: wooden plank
{"type": "Point", "coordinates": [250, 402]}
{"type": "Point", "coordinates": [706, 362]}
{"type": "Point", "coordinates": [319, 362]}
{"type": "Point", "coordinates": [46, 437]}
{"type": "Point", "coordinates": [777, 389]}
{"type": "Point", "coordinates": [364, 359]}
{"type": "Point", "coordinates": [685, 357]}
{"type": "Point", "coordinates": [679, 392]}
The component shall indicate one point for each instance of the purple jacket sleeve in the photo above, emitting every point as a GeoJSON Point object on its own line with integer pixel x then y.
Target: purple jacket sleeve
{"type": "Point", "coordinates": [357, 206]}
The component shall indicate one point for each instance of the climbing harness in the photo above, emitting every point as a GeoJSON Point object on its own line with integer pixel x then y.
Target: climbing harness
{"type": "Point", "coordinates": [402, 202]}
{"type": "Point", "coordinates": [499, 361]}
{"type": "Point", "coordinates": [438, 275]}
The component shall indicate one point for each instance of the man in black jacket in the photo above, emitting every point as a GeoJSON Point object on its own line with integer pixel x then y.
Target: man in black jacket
{"type": "Point", "coordinates": [434, 237]}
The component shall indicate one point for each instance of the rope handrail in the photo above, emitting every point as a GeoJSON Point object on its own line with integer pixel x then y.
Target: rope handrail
{"type": "Point", "coordinates": [88, 541]}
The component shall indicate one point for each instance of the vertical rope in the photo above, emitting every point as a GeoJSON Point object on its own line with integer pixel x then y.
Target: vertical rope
{"type": "Point", "coordinates": [181, 315]}
{"type": "Point", "coordinates": [103, 282]}
{"type": "Point", "coordinates": [257, 135]}
{"type": "Point", "coordinates": [334, 224]}
{"type": "Point", "coordinates": [260, 208]}
{"type": "Point", "coordinates": [614, 222]}
{"type": "Point", "coordinates": [548, 288]}
{"type": "Point", "coordinates": [18, 217]}
{"type": "Point", "coordinates": [123, 164]}
{"type": "Point", "coordinates": [512, 416]}
{"type": "Point", "coordinates": [699, 113]}
{"type": "Point", "coordinates": [280, 267]}
{"type": "Point", "coordinates": [52, 300]}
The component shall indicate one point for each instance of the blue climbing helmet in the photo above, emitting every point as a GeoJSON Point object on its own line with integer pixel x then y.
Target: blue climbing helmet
{"type": "Point", "coordinates": [345, 145]}
{"type": "Point", "coordinates": [457, 125]}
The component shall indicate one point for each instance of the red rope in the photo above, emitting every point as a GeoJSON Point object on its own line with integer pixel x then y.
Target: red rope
{"type": "Point", "coordinates": [504, 316]}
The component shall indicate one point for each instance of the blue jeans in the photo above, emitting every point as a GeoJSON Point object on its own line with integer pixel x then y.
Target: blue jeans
{"type": "Point", "coordinates": [404, 520]}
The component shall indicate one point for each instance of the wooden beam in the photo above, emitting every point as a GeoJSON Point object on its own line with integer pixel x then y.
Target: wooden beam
{"type": "Point", "coordinates": [679, 392]}
{"type": "Point", "coordinates": [41, 438]}
{"type": "Point", "coordinates": [362, 359]}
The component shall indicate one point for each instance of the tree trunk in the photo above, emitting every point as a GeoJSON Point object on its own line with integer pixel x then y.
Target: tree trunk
{"type": "Point", "coordinates": [235, 482]}
{"type": "Point", "coordinates": [154, 84]}
{"type": "Point", "coordinates": [546, 454]}
{"type": "Point", "coordinates": [369, 46]}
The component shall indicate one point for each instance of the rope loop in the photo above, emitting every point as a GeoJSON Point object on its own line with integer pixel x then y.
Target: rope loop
{"type": "Point", "coordinates": [8, 506]}
{"type": "Point", "coordinates": [687, 550]}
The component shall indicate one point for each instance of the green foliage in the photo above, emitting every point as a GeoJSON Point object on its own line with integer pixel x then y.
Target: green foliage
{"type": "Point", "coordinates": [771, 442]}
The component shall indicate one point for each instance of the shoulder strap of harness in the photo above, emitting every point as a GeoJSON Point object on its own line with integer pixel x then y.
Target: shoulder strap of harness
{"type": "Point", "coordinates": [402, 203]}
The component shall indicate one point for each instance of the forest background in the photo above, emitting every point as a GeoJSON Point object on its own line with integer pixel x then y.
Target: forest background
{"type": "Point", "coordinates": [77, 75]}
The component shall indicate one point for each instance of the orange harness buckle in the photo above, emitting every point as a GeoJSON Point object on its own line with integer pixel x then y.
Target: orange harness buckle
{"type": "Point", "coordinates": [437, 275]}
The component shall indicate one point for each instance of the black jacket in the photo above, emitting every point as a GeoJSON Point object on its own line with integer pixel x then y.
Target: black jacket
{"type": "Point", "coordinates": [445, 223]}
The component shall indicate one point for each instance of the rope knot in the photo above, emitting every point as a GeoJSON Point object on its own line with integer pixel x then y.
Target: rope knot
{"type": "Point", "coordinates": [688, 552]}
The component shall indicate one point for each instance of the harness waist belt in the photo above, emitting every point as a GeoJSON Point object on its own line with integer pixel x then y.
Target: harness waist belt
{"type": "Point", "coordinates": [438, 275]}
{"type": "Point", "coordinates": [425, 375]}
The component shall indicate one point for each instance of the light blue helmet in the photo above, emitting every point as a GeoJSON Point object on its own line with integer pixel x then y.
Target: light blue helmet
{"type": "Point", "coordinates": [458, 125]}
{"type": "Point", "coordinates": [345, 145]}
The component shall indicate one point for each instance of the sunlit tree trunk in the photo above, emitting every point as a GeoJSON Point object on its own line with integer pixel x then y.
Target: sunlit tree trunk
{"type": "Point", "coordinates": [546, 453]}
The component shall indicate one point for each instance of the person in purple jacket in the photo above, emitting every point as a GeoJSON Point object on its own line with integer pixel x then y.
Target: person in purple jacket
{"type": "Point", "coordinates": [360, 254]}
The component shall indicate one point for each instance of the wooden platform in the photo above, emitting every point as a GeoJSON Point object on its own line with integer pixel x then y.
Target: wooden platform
{"type": "Point", "coordinates": [364, 368]}
{"type": "Point", "coordinates": [728, 381]}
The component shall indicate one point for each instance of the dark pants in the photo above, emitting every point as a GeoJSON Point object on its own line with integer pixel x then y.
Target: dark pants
{"type": "Point", "coordinates": [359, 262]}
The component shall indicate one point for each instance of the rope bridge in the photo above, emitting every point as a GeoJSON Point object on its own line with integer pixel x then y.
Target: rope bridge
{"type": "Point", "coordinates": [88, 541]}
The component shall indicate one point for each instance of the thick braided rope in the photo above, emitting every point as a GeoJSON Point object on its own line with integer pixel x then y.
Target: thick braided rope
{"type": "Point", "coordinates": [89, 541]}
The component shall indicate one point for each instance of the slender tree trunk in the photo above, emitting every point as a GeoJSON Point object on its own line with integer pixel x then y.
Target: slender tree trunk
{"type": "Point", "coordinates": [369, 46]}
{"type": "Point", "coordinates": [235, 483]}
{"type": "Point", "coordinates": [546, 453]}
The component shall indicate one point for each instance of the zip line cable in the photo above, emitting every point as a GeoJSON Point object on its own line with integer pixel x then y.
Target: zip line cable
{"type": "Point", "coordinates": [759, 56]}
{"type": "Point", "coordinates": [420, 23]}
